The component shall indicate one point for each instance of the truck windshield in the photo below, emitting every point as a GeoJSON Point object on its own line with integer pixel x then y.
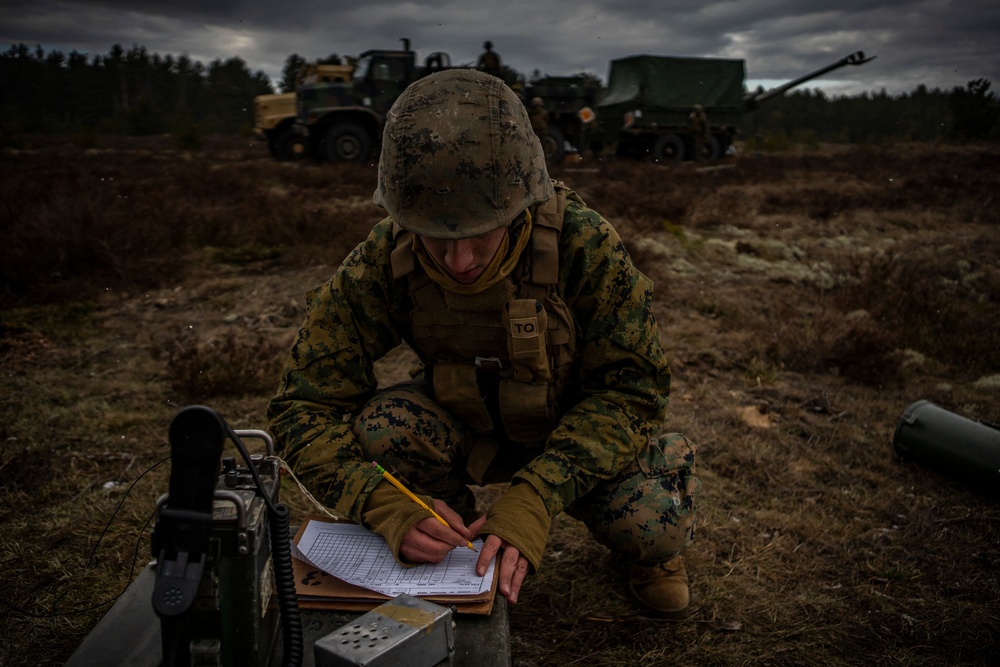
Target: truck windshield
{"type": "Point", "coordinates": [361, 68]}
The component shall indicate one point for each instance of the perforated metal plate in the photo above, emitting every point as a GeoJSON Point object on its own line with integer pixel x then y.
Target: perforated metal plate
{"type": "Point", "coordinates": [404, 632]}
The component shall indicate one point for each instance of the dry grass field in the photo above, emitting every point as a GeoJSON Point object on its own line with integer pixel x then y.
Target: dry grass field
{"type": "Point", "coordinates": [805, 298]}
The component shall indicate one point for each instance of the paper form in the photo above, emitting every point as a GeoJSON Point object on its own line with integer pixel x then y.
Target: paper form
{"type": "Point", "coordinates": [361, 557]}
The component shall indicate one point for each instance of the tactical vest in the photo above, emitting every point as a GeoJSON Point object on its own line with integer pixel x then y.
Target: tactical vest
{"type": "Point", "coordinates": [503, 357]}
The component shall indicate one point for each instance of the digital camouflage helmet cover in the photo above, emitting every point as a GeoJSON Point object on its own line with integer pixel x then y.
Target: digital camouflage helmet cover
{"type": "Point", "coordinates": [459, 157]}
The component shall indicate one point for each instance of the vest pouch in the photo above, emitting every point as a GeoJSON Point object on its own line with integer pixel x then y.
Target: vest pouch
{"type": "Point", "coordinates": [480, 458]}
{"type": "Point", "coordinates": [456, 388]}
{"type": "Point", "coordinates": [524, 409]}
{"type": "Point", "coordinates": [526, 322]}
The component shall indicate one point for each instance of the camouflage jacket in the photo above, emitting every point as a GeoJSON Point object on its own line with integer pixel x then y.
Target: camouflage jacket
{"type": "Point", "coordinates": [699, 126]}
{"type": "Point", "coordinates": [362, 313]}
{"type": "Point", "coordinates": [539, 118]}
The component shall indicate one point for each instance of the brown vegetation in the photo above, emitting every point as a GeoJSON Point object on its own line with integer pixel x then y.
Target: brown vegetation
{"type": "Point", "coordinates": [805, 300]}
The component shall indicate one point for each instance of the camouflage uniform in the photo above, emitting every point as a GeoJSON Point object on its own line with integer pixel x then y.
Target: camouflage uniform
{"type": "Point", "coordinates": [600, 458]}
{"type": "Point", "coordinates": [700, 131]}
{"type": "Point", "coordinates": [539, 117]}
{"type": "Point", "coordinates": [601, 463]}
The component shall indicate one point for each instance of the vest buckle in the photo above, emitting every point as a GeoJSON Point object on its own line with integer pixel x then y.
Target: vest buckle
{"type": "Point", "coordinates": [489, 364]}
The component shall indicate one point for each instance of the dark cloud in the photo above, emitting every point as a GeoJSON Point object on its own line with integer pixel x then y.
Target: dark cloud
{"type": "Point", "coordinates": [938, 43]}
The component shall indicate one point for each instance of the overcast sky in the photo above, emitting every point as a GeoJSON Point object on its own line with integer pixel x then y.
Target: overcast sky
{"type": "Point", "coordinates": [939, 43]}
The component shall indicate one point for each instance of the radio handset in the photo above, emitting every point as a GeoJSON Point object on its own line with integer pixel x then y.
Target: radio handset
{"type": "Point", "coordinates": [181, 536]}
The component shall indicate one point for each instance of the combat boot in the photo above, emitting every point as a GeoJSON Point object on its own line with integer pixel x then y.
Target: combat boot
{"type": "Point", "coordinates": [661, 589]}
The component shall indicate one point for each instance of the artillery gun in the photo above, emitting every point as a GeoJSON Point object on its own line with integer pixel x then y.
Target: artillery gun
{"type": "Point", "coordinates": [644, 111]}
{"type": "Point", "coordinates": [753, 100]}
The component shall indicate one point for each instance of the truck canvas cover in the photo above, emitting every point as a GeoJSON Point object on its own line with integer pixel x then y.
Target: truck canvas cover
{"type": "Point", "coordinates": [676, 83]}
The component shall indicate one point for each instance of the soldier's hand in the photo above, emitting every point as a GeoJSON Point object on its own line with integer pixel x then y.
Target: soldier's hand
{"type": "Point", "coordinates": [429, 541]}
{"type": "Point", "coordinates": [513, 566]}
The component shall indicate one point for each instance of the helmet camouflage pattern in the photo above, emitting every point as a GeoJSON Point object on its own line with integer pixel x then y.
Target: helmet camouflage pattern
{"type": "Point", "coordinates": [459, 157]}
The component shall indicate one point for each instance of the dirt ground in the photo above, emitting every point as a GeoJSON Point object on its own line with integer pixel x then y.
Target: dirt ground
{"type": "Point", "coordinates": [805, 299]}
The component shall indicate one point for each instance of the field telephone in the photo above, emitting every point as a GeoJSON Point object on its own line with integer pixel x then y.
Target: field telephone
{"type": "Point", "coordinates": [221, 544]}
{"type": "Point", "coordinates": [221, 590]}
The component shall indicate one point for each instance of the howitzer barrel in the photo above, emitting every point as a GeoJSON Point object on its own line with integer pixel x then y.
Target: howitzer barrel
{"type": "Point", "coordinates": [754, 100]}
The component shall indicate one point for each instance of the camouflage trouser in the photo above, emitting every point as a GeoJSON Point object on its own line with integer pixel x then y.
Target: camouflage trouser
{"type": "Point", "coordinates": [646, 513]}
{"type": "Point", "coordinates": [698, 149]}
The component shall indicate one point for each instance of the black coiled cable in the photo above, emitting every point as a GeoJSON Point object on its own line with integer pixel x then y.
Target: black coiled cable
{"type": "Point", "coordinates": [281, 558]}
{"type": "Point", "coordinates": [284, 578]}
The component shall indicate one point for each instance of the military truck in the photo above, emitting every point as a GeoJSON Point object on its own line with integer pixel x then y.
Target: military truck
{"type": "Point", "coordinates": [645, 109]}
{"type": "Point", "coordinates": [342, 122]}
{"type": "Point", "coordinates": [569, 101]}
{"type": "Point", "coordinates": [643, 113]}
{"type": "Point", "coordinates": [274, 115]}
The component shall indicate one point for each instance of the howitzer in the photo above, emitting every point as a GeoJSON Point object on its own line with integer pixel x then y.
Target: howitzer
{"type": "Point", "coordinates": [754, 100]}
{"type": "Point", "coordinates": [646, 107]}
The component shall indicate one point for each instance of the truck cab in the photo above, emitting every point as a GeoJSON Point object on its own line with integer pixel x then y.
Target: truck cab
{"type": "Point", "coordinates": [381, 76]}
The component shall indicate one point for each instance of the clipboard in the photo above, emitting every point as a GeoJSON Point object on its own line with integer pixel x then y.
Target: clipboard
{"type": "Point", "coordinates": [316, 589]}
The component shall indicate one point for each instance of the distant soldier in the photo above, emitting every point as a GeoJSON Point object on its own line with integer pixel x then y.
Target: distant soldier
{"type": "Point", "coordinates": [539, 117]}
{"type": "Point", "coordinates": [489, 60]}
{"type": "Point", "coordinates": [700, 131]}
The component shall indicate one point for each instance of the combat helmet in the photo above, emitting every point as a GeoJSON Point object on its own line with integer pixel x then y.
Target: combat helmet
{"type": "Point", "coordinates": [459, 157]}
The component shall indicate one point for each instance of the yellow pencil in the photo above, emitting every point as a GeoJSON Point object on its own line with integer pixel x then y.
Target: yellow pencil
{"type": "Point", "coordinates": [399, 485]}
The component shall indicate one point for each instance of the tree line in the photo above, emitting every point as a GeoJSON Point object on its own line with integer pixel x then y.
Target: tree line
{"type": "Point", "coordinates": [135, 92]}
{"type": "Point", "coordinates": [126, 91]}
{"type": "Point", "coordinates": [963, 114]}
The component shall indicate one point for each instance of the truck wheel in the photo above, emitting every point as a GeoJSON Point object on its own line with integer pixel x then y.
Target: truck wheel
{"type": "Point", "coordinates": [668, 148]}
{"type": "Point", "coordinates": [346, 142]}
{"type": "Point", "coordinates": [554, 145]}
{"type": "Point", "coordinates": [288, 146]}
{"type": "Point", "coordinates": [711, 149]}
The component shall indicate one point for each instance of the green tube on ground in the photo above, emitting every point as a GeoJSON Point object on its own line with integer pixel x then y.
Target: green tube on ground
{"type": "Point", "coordinates": [962, 448]}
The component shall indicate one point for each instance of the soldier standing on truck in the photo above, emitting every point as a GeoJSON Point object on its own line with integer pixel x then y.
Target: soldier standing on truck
{"type": "Point", "coordinates": [542, 366]}
{"type": "Point", "coordinates": [489, 60]}
{"type": "Point", "coordinates": [700, 132]}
